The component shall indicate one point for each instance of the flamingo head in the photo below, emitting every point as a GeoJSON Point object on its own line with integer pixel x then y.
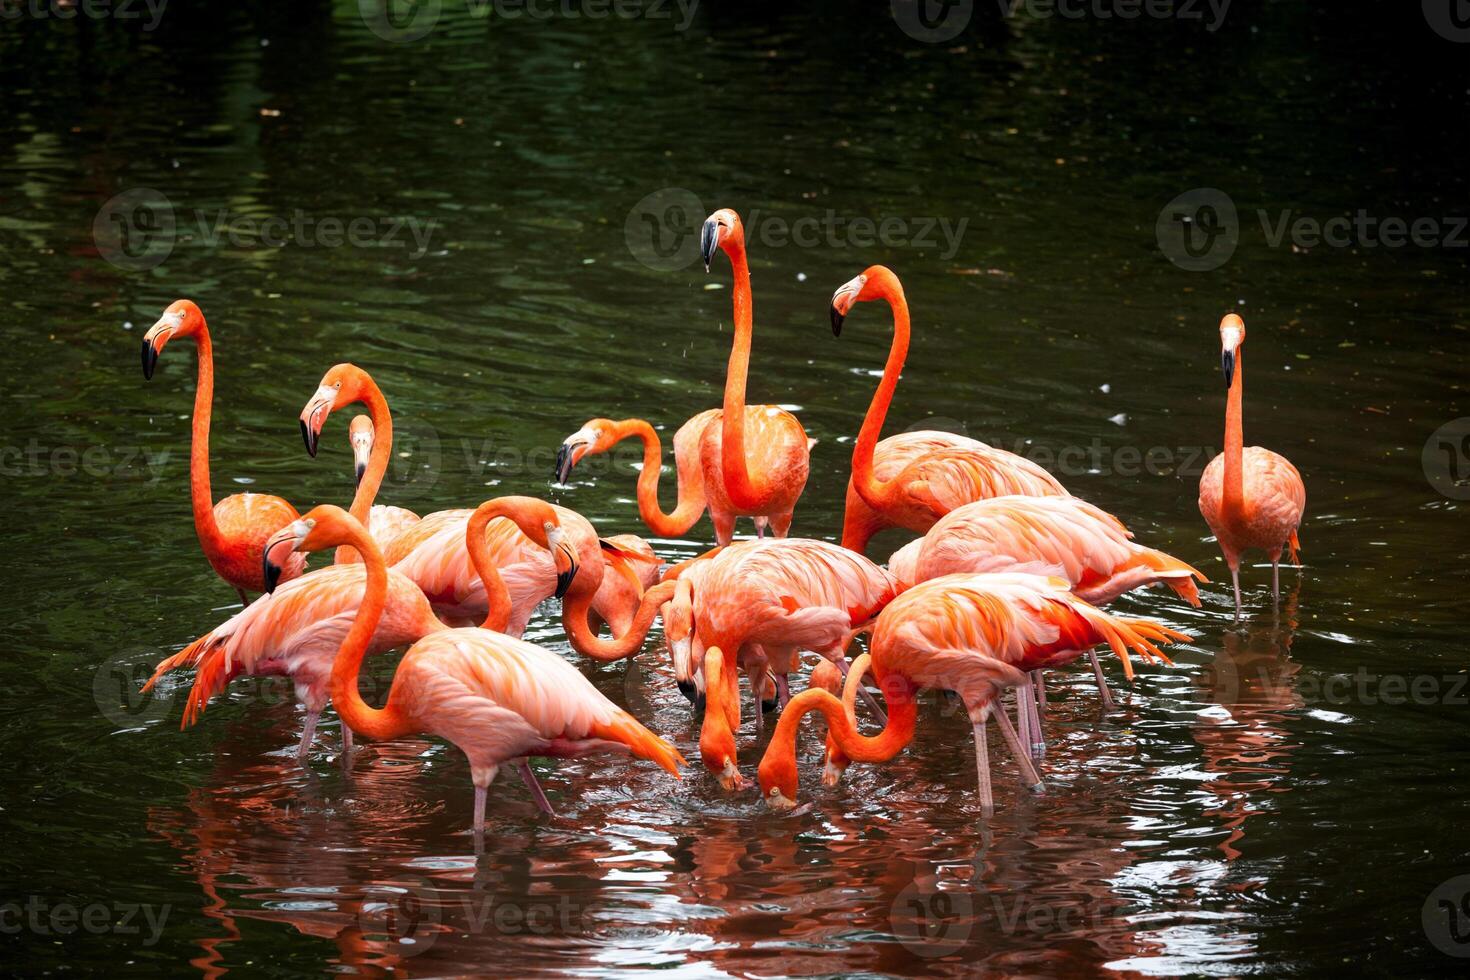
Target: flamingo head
{"type": "Point", "coordinates": [597, 436]}
{"type": "Point", "coordinates": [777, 777]}
{"type": "Point", "coordinates": [876, 282]}
{"type": "Point", "coordinates": [1232, 335]}
{"type": "Point", "coordinates": [721, 230]}
{"type": "Point", "coordinates": [717, 741]}
{"type": "Point", "coordinates": [181, 319]}
{"type": "Point", "coordinates": [678, 617]}
{"type": "Point", "coordinates": [360, 437]}
{"type": "Point", "coordinates": [540, 522]}
{"type": "Point", "coordinates": [341, 386]}
{"type": "Point", "coordinates": [320, 528]}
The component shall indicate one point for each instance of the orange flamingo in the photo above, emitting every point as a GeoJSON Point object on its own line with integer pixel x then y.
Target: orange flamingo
{"type": "Point", "coordinates": [763, 476]}
{"type": "Point", "coordinates": [601, 435]}
{"type": "Point", "coordinates": [1250, 497]}
{"type": "Point", "coordinates": [233, 531]}
{"type": "Point", "coordinates": [496, 698]}
{"type": "Point", "coordinates": [372, 448]}
{"type": "Point", "coordinates": [972, 634]}
{"type": "Point", "coordinates": [295, 629]}
{"type": "Point", "coordinates": [912, 480]}
{"type": "Point", "coordinates": [793, 593]}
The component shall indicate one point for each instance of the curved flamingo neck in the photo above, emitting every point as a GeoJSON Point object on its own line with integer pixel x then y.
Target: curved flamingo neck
{"type": "Point", "coordinates": [690, 503]}
{"type": "Point", "coordinates": [367, 490]}
{"type": "Point", "coordinates": [585, 641]}
{"type": "Point", "coordinates": [496, 593]}
{"type": "Point", "coordinates": [386, 722]}
{"type": "Point", "coordinates": [902, 716]}
{"type": "Point", "coordinates": [721, 710]}
{"type": "Point", "coordinates": [740, 488]}
{"type": "Point", "coordinates": [874, 493]}
{"type": "Point", "coordinates": [1233, 496]}
{"type": "Point", "coordinates": [200, 493]}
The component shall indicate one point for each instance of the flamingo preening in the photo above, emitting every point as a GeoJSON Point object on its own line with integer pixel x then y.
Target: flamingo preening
{"type": "Point", "coordinates": [496, 698]}
{"type": "Point", "coordinates": [296, 628]}
{"type": "Point", "coordinates": [972, 634]}
{"type": "Point", "coordinates": [912, 480]}
{"type": "Point", "coordinates": [1250, 497]}
{"type": "Point", "coordinates": [757, 459]}
{"type": "Point", "coordinates": [233, 531]}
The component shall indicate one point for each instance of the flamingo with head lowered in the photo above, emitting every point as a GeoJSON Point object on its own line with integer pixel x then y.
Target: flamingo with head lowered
{"type": "Point", "coordinates": [1250, 497]}
{"type": "Point", "coordinates": [234, 531]}
{"type": "Point", "coordinates": [972, 634]}
{"type": "Point", "coordinates": [912, 480]}
{"type": "Point", "coordinates": [498, 699]}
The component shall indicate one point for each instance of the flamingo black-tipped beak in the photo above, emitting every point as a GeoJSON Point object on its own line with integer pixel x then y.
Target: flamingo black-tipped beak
{"type": "Point", "coordinates": [273, 557]}
{"type": "Point", "coordinates": [564, 463]}
{"type": "Point", "coordinates": [312, 439]}
{"type": "Point", "coordinates": [690, 692]}
{"type": "Point", "coordinates": [564, 579]}
{"type": "Point", "coordinates": [359, 469]}
{"type": "Point", "coordinates": [150, 360]}
{"type": "Point", "coordinates": [837, 319]}
{"type": "Point", "coordinates": [1227, 366]}
{"type": "Point", "coordinates": [709, 240]}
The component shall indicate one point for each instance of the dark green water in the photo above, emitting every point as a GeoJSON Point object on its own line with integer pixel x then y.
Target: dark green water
{"type": "Point", "coordinates": [1289, 798]}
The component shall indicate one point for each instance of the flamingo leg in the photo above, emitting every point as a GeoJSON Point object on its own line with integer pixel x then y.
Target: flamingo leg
{"type": "Point", "coordinates": [534, 785]}
{"type": "Point", "coordinates": [1102, 685]}
{"type": "Point", "coordinates": [781, 524]}
{"type": "Point", "coordinates": [760, 527]}
{"type": "Point", "coordinates": [1028, 771]}
{"type": "Point", "coordinates": [867, 695]}
{"type": "Point", "coordinates": [346, 745]}
{"type": "Point", "coordinates": [1033, 716]}
{"type": "Point", "coordinates": [480, 792]}
{"type": "Point", "coordinates": [982, 767]}
{"type": "Point", "coordinates": [244, 599]}
{"type": "Point", "coordinates": [1025, 705]}
{"type": "Point", "coordinates": [1235, 578]}
{"type": "Point", "coordinates": [1276, 579]}
{"type": "Point", "coordinates": [308, 734]}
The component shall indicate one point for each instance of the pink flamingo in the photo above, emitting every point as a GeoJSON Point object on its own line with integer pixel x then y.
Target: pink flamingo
{"type": "Point", "coordinates": [793, 593]}
{"type": "Point", "coordinates": [385, 521]}
{"type": "Point", "coordinates": [972, 634]}
{"type": "Point", "coordinates": [496, 698]}
{"type": "Point", "coordinates": [233, 531]}
{"type": "Point", "coordinates": [1250, 497]}
{"type": "Point", "coordinates": [762, 475]}
{"type": "Point", "coordinates": [295, 629]}
{"type": "Point", "coordinates": [912, 480]}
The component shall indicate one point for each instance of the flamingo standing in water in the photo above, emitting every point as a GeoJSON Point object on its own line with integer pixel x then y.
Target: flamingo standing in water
{"type": "Point", "coordinates": [761, 476]}
{"type": "Point", "coordinates": [496, 698]}
{"type": "Point", "coordinates": [295, 629]}
{"type": "Point", "coordinates": [1250, 497]}
{"type": "Point", "coordinates": [791, 594]}
{"type": "Point", "coordinates": [233, 531]}
{"type": "Point", "coordinates": [912, 480]}
{"type": "Point", "coordinates": [972, 634]}
{"type": "Point", "coordinates": [601, 435]}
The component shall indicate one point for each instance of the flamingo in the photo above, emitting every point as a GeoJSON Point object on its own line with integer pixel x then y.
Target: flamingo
{"type": "Point", "coordinates": [792, 593]}
{"type": "Point", "coordinates": [385, 521]}
{"type": "Point", "coordinates": [233, 531]}
{"type": "Point", "coordinates": [912, 480]}
{"type": "Point", "coordinates": [601, 435]}
{"type": "Point", "coordinates": [765, 481]}
{"type": "Point", "coordinates": [765, 666]}
{"type": "Point", "coordinates": [972, 634]}
{"type": "Point", "coordinates": [372, 448]}
{"type": "Point", "coordinates": [1250, 497]}
{"type": "Point", "coordinates": [295, 629]}
{"type": "Point", "coordinates": [498, 699]}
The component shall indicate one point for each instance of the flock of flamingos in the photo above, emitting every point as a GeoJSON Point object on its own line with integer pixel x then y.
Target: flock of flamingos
{"type": "Point", "coordinates": [1005, 583]}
